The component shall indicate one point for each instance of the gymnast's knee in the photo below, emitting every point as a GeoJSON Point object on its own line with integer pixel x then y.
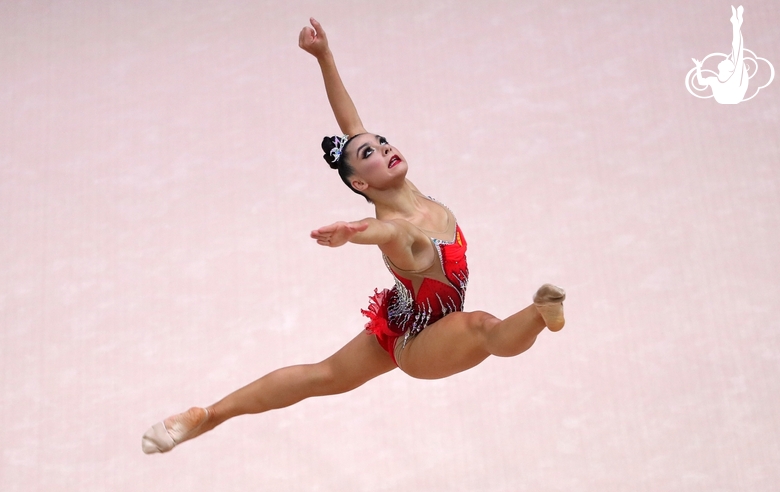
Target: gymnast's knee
{"type": "Point", "coordinates": [483, 322]}
{"type": "Point", "coordinates": [327, 379]}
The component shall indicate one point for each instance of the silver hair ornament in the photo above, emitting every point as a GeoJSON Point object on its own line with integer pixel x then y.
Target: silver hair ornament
{"type": "Point", "coordinates": [338, 143]}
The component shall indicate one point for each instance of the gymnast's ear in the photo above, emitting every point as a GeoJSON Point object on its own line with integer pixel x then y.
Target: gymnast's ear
{"type": "Point", "coordinates": [359, 184]}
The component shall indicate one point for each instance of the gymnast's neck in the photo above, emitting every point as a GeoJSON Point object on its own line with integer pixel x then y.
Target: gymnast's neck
{"type": "Point", "coordinates": [405, 201]}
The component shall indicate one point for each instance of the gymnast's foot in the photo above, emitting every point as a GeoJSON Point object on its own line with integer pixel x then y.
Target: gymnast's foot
{"type": "Point", "coordinates": [549, 302]}
{"type": "Point", "coordinates": [163, 436]}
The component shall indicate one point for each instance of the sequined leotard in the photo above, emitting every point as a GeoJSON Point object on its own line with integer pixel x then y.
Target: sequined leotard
{"type": "Point", "coordinates": [421, 298]}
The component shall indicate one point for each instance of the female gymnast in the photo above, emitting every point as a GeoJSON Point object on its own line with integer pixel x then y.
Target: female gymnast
{"type": "Point", "coordinates": [418, 325]}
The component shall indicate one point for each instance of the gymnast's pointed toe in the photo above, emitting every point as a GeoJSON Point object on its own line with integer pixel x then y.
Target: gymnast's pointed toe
{"type": "Point", "coordinates": [164, 436]}
{"type": "Point", "coordinates": [157, 440]}
{"type": "Point", "coordinates": [549, 294]}
{"type": "Point", "coordinates": [549, 302]}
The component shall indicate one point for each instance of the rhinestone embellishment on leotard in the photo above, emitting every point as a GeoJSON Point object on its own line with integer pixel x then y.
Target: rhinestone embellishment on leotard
{"type": "Point", "coordinates": [410, 317]}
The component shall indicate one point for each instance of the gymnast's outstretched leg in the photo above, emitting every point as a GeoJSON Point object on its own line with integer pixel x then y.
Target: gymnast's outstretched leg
{"type": "Point", "coordinates": [359, 361]}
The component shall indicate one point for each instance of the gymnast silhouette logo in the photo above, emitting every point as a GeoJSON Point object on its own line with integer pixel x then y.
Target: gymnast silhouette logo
{"type": "Point", "coordinates": [734, 70]}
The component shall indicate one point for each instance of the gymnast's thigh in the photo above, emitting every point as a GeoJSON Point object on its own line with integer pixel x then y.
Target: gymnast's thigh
{"type": "Point", "coordinates": [357, 362]}
{"type": "Point", "coordinates": [451, 345]}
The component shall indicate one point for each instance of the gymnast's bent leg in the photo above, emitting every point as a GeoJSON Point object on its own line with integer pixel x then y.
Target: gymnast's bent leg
{"type": "Point", "coordinates": [460, 341]}
{"type": "Point", "coordinates": [359, 361]}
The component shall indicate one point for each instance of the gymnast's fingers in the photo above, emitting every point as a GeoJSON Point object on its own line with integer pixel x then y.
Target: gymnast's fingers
{"type": "Point", "coordinates": [322, 231]}
{"type": "Point", "coordinates": [319, 234]}
{"type": "Point", "coordinates": [305, 37]}
{"type": "Point", "coordinates": [318, 28]}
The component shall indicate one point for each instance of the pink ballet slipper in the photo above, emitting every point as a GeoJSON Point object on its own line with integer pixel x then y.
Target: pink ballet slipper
{"type": "Point", "coordinates": [549, 302]}
{"type": "Point", "coordinates": [160, 438]}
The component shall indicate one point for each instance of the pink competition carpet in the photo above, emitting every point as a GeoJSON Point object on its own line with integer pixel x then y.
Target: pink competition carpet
{"type": "Point", "coordinates": [160, 172]}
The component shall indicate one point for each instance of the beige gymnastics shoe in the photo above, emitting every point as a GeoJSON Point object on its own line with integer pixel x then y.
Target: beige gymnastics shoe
{"type": "Point", "coordinates": [549, 302]}
{"type": "Point", "coordinates": [164, 436]}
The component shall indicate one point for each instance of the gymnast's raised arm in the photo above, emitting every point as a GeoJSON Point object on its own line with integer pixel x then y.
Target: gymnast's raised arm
{"type": "Point", "coordinates": [315, 42]}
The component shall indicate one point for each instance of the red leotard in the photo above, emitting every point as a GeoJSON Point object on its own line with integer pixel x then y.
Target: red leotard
{"type": "Point", "coordinates": [423, 297]}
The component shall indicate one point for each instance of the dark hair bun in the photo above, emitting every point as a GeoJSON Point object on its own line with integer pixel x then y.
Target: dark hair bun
{"type": "Point", "coordinates": [332, 146]}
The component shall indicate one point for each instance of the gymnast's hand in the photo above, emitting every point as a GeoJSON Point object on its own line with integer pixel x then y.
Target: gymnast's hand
{"type": "Point", "coordinates": [338, 234]}
{"type": "Point", "coordinates": [313, 41]}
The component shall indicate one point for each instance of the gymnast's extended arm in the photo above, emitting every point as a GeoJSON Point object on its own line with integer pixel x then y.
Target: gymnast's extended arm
{"type": "Point", "coordinates": [399, 240]}
{"type": "Point", "coordinates": [315, 41]}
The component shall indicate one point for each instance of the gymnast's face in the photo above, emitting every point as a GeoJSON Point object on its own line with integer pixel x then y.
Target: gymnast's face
{"type": "Point", "coordinates": [376, 163]}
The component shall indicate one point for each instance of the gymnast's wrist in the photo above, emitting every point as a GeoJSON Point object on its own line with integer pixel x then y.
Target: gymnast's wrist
{"type": "Point", "coordinates": [325, 57]}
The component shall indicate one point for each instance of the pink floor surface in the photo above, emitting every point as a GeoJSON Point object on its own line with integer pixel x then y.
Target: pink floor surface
{"type": "Point", "coordinates": [160, 172]}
